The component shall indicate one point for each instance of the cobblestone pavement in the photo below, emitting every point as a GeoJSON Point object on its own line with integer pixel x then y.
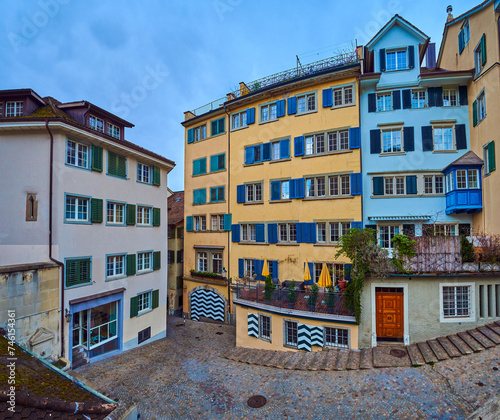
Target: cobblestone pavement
{"type": "Point", "coordinates": [185, 377]}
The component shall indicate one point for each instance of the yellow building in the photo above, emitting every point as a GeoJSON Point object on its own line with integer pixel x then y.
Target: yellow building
{"type": "Point", "coordinates": [471, 41]}
{"type": "Point", "coordinates": [175, 251]}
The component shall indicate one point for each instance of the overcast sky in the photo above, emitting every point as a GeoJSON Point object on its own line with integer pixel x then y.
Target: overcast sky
{"type": "Point", "coordinates": [149, 61]}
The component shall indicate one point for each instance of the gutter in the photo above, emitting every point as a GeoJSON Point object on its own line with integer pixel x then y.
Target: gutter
{"type": "Point", "coordinates": [228, 210]}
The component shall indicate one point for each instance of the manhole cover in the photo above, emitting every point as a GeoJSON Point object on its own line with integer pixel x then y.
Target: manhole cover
{"type": "Point", "coordinates": [219, 333]}
{"type": "Point", "coordinates": [398, 353]}
{"type": "Point", "coordinates": [257, 401]}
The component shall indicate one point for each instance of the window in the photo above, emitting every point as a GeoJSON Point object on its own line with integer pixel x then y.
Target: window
{"type": "Point", "coordinates": [217, 263]}
{"type": "Point", "coordinates": [328, 186]}
{"type": "Point", "coordinates": [386, 235]}
{"type": "Point", "coordinates": [394, 185]}
{"type": "Point", "coordinates": [479, 56]}
{"type": "Point", "coordinates": [466, 31]}
{"type": "Point", "coordinates": [480, 108]}
{"type": "Point", "coordinates": [103, 327]}
{"type": "Point", "coordinates": [180, 233]}
{"type": "Point", "coordinates": [218, 162]}
{"type": "Point", "coordinates": [113, 131]}
{"type": "Point", "coordinates": [418, 99]}
{"type": "Point", "coordinates": [144, 302]}
{"type": "Point", "coordinates": [217, 222]}
{"type": "Point", "coordinates": [287, 232]}
{"type": "Point", "coordinates": [461, 179]}
{"type": "Point", "coordinates": [77, 154]}
{"type": "Point", "coordinates": [143, 335]}
{"type": "Point", "coordinates": [144, 261]}
{"type": "Point", "coordinates": [343, 96]}
{"type": "Point", "coordinates": [239, 120]}
{"type": "Point", "coordinates": [337, 229]}
{"type": "Point", "coordinates": [216, 194]}
{"type": "Point", "coordinates": [202, 261]}
{"type": "Point", "coordinates": [433, 184]}
{"type": "Point", "coordinates": [489, 157]}
{"type": "Point", "coordinates": [31, 208]}
{"type": "Point", "coordinates": [321, 232]}
{"type": "Point", "coordinates": [450, 97]}
{"type": "Point", "coordinates": [144, 173]}
{"type": "Point", "coordinates": [248, 232]}
{"type": "Point", "coordinates": [336, 337]}
{"type": "Point", "coordinates": [275, 150]}
{"type": "Point", "coordinates": [13, 109]}
{"type": "Point", "coordinates": [391, 141]}
{"type": "Point", "coordinates": [456, 301]}
{"type": "Point", "coordinates": [442, 229]}
{"type": "Point", "coordinates": [207, 260]}
{"type": "Point", "coordinates": [144, 215]}
{"type": "Point", "coordinates": [115, 266]}
{"type": "Point", "coordinates": [78, 271]}
{"type": "Point", "coordinates": [268, 112]}
{"type": "Point", "coordinates": [306, 103]}
{"type": "Point", "coordinates": [170, 257]}
{"type": "Point", "coordinates": [115, 213]}
{"type": "Point", "coordinates": [1, 108]}
{"type": "Point", "coordinates": [443, 138]}
{"type": "Point", "coordinates": [77, 209]}
{"type": "Point", "coordinates": [218, 126]}
{"type": "Point", "coordinates": [96, 124]}
{"type": "Point", "coordinates": [200, 223]}
{"type": "Point", "coordinates": [253, 192]}
{"type": "Point", "coordinates": [117, 165]}
{"type": "Point", "coordinates": [291, 337]}
{"type": "Point", "coordinates": [338, 140]}
{"type": "Point", "coordinates": [384, 101]}
{"type": "Point", "coordinates": [265, 327]}
{"type": "Point", "coordinates": [249, 266]}
{"type": "Point", "coordinates": [396, 60]}
{"type": "Point", "coordinates": [200, 133]}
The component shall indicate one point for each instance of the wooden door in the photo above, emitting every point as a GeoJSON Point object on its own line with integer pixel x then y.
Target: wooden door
{"type": "Point", "coordinates": [389, 314]}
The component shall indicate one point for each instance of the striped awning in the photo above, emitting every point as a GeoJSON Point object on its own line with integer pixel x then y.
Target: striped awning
{"type": "Point", "coordinates": [380, 218]}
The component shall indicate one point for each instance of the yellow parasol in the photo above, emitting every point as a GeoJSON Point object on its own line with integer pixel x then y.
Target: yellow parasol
{"type": "Point", "coordinates": [324, 279]}
{"type": "Point", "coordinates": [307, 274]}
{"type": "Point", "coordinates": [265, 268]}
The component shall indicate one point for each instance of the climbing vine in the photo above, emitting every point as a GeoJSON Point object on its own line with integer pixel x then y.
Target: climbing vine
{"type": "Point", "coordinates": [404, 247]}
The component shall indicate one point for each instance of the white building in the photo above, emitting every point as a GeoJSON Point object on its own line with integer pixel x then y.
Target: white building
{"type": "Point", "coordinates": [75, 191]}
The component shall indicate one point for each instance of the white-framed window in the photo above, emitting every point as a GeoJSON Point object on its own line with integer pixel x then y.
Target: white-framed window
{"type": "Point", "coordinates": [253, 192]}
{"type": "Point", "coordinates": [14, 109]}
{"type": "Point", "coordinates": [489, 157]}
{"type": "Point", "coordinates": [433, 184]}
{"type": "Point", "coordinates": [249, 267]}
{"type": "Point", "coordinates": [457, 302]}
{"type": "Point", "coordinates": [144, 173]}
{"type": "Point", "coordinates": [265, 327]}
{"type": "Point", "coordinates": [77, 209]}
{"type": "Point", "coordinates": [77, 154]}
{"type": "Point", "coordinates": [328, 186]}
{"type": "Point", "coordinates": [450, 97]}
{"type": "Point", "coordinates": [200, 132]}
{"type": "Point", "coordinates": [337, 229]}
{"type": "Point", "coordinates": [1, 109]}
{"type": "Point", "coordinates": [113, 131]}
{"type": "Point", "coordinates": [321, 232]}
{"type": "Point", "coordinates": [418, 98]}
{"type": "Point", "coordinates": [144, 215]}
{"type": "Point", "coordinates": [386, 235]}
{"type": "Point", "coordinates": [248, 232]}
{"type": "Point", "coordinates": [238, 120]}
{"type": "Point", "coordinates": [275, 150]}
{"type": "Point", "coordinates": [336, 337]}
{"type": "Point", "coordinates": [396, 59]}
{"type": "Point", "coordinates": [209, 260]}
{"type": "Point", "coordinates": [445, 229]}
{"type": "Point", "coordinates": [444, 137]}
{"type": "Point", "coordinates": [338, 140]}
{"type": "Point", "coordinates": [115, 266]}
{"type": "Point", "coordinates": [330, 141]}
{"type": "Point", "coordinates": [394, 185]}
{"type": "Point", "coordinates": [343, 96]}
{"type": "Point", "coordinates": [478, 59]}
{"type": "Point", "coordinates": [287, 232]}
{"type": "Point", "coordinates": [481, 107]}
{"type": "Point", "coordinates": [145, 301]}
{"type": "Point", "coordinates": [96, 124]}
{"type": "Point", "coordinates": [217, 222]}
{"type": "Point", "coordinates": [290, 333]}
{"type": "Point", "coordinates": [268, 112]}
{"type": "Point", "coordinates": [217, 262]}
{"type": "Point", "coordinates": [200, 223]}
{"type": "Point", "coordinates": [384, 101]}
{"type": "Point", "coordinates": [336, 271]}
{"type": "Point", "coordinates": [391, 141]}
{"type": "Point", "coordinates": [466, 31]}
{"type": "Point", "coordinates": [115, 213]}
{"type": "Point", "coordinates": [202, 261]}
{"type": "Point", "coordinates": [306, 103]}
{"type": "Point", "coordinates": [144, 261]}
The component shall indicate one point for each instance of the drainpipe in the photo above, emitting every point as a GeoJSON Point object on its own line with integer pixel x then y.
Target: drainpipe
{"type": "Point", "coordinates": [59, 263]}
{"type": "Point", "coordinates": [228, 208]}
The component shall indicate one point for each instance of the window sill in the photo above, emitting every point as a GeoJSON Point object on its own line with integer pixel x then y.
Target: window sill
{"type": "Point", "coordinates": [239, 128]}
{"type": "Point", "coordinates": [288, 200]}
{"type": "Point", "coordinates": [145, 183]}
{"type": "Point", "coordinates": [392, 154]}
{"type": "Point", "coordinates": [118, 176]}
{"type": "Point", "coordinates": [253, 243]}
{"type": "Point", "coordinates": [205, 173]}
{"type": "Point", "coordinates": [150, 270]}
{"type": "Point", "coordinates": [323, 244]}
{"type": "Point", "coordinates": [77, 222]}
{"type": "Point", "coordinates": [422, 107]}
{"type": "Point", "coordinates": [335, 152]}
{"type": "Point", "coordinates": [298, 114]}
{"type": "Point", "coordinates": [217, 135]}
{"type": "Point", "coordinates": [115, 224]}
{"type": "Point", "coordinates": [327, 198]}
{"type": "Point", "coordinates": [280, 160]}
{"type": "Point", "coordinates": [402, 196]}
{"type": "Point", "coordinates": [444, 151]}
{"type": "Point", "coordinates": [144, 312]}
{"type": "Point", "coordinates": [121, 276]}
{"type": "Point", "coordinates": [480, 121]}
{"type": "Point", "coordinates": [287, 244]}
{"type": "Point", "coordinates": [76, 286]}
{"type": "Point", "coordinates": [268, 121]}
{"type": "Point", "coordinates": [342, 106]}
{"type": "Point", "coordinates": [253, 203]}
{"type": "Point", "coordinates": [216, 202]}
{"type": "Point", "coordinates": [143, 226]}
{"type": "Point", "coordinates": [218, 170]}
{"type": "Point", "coordinates": [253, 164]}
{"type": "Point", "coordinates": [69, 165]}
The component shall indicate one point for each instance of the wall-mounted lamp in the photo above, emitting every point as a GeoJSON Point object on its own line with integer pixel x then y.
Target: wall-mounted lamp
{"type": "Point", "coordinates": [224, 272]}
{"type": "Point", "coordinates": [67, 315]}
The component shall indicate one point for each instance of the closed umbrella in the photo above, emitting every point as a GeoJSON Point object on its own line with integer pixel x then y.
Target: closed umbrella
{"type": "Point", "coordinates": [324, 279]}
{"type": "Point", "coordinates": [307, 274]}
{"type": "Point", "coordinates": [265, 268]}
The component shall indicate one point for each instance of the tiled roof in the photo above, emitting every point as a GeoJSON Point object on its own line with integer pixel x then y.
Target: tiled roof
{"type": "Point", "coordinates": [470, 158]}
{"type": "Point", "coordinates": [176, 208]}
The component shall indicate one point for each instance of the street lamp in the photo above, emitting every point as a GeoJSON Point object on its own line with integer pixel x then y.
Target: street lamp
{"type": "Point", "coordinates": [224, 272]}
{"type": "Point", "coordinates": [67, 315]}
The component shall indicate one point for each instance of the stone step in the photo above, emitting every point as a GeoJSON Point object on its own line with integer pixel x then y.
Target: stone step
{"type": "Point", "coordinates": [255, 355]}
{"type": "Point", "coordinates": [282, 359]}
{"type": "Point", "coordinates": [295, 360]}
{"type": "Point", "coordinates": [471, 342]}
{"type": "Point", "coordinates": [366, 359]}
{"type": "Point", "coordinates": [316, 358]}
{"type": "Point", "coordinates": [306, 361]}
{"type": "Point", "coordinates": [438, 350]}
{"type": "Point", "coordinates": [266, 357]}
{"type": "Point", "coordinates": [427, 352]}
{"type": "Point", "coordinates": [235, 352]}
{"type": "Point", "coordinates": [342, 360]}
{"type": "Point", "coordinates": [494, 327]}
{"type": "Point", "coordinates": [497, 322]}
{"type": "Point", "coordinates": [415, 356]}
{"type": "Point", "coordinates": [449, 347]}
{"type": "Point", "coordinates": [492, 335]}
{"type": "Point", "coordinates": [481, 338]}
{"type": "Point", "coordinates": [354, 360]}
{"type": "Point", "coordinates": [325, 355]}
{"type": "Point", "coordinates": [273, 359]}
{"type": "Point", "coordinates": [331, 360]}
{"type": "Point", "coordinates": [244, 355]}
{"type": "Point", "coordinates": [460, 344]}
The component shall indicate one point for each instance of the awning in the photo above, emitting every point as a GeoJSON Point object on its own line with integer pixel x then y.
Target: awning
{"type": "Point", "coordinates": [389, 218]}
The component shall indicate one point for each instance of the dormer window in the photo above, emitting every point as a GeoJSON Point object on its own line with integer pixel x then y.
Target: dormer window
{"type": "Point", "coordinates": [113, 131]}
{"type": "Point", "coordinates": [96, 124]}
{"type": "Point", "coordinates": [396, 59]}
{"type": "Point", "coordinates": [14, 109]}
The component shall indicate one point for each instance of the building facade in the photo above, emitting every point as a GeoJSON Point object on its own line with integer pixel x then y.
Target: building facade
{"type": "Point", "coordinates": [175, 251]}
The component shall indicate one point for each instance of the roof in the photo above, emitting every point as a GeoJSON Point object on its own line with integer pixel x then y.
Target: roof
{"type": "Point", "coordinates": [468, 159]}
{"type": "Point", "coordinates": [43, 391]}
{"type": "Point", "coordinates": [176, 208]}
{"type": "Point", "coordinates": [394, 21]}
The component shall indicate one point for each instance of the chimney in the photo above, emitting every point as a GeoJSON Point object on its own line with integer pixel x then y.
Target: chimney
{"type": "Point", "coordinates": [430, 56]}
{"type": "Point", "coordinates": [449, 9]}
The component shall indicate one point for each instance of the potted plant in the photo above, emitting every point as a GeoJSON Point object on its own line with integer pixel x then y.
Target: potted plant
{"type": "Point", "coordinates": [292, 294]}
{"type": "Point", "coordinates": [269, 288]}
{"type": "Point", "coordinates": [330, 300]}
{"type": "Point", "coordinates": [313, 296]}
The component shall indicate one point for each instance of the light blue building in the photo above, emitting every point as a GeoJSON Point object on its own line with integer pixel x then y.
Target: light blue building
{"type": "Point", "coordinates": [414, 124]}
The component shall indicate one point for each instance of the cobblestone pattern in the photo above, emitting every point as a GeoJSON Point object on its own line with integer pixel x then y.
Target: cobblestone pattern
{"type": "Point", "coordinates": [185, 377]}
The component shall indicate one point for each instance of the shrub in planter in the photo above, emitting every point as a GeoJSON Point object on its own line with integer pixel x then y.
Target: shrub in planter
{"type": "Point", "coordinates": [269, 288]}
{"type": "Point", "coordinates": [467, 250]}
{"type": "Point", "coordinates": [313, 296]}
{"type": "Point", "coordinates": [292, 294]}
{"type": "Point", "coordinates": [331, 298]}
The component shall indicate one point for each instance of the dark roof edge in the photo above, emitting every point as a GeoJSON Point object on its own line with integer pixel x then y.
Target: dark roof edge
{"type": "Point", "coordinates": [26, 267]}
{"type": "Point", "coordinates": [99, 109]}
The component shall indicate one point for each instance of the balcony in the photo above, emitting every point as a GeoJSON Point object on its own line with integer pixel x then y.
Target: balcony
{"type": "Point", "coordinates": [464, 201]}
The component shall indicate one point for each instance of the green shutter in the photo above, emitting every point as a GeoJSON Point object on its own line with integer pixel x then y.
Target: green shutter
{"type": "Point", "coordinates": [214, 161]}
{"type": "Point", "coordinates": [491, 156]}
{"type": "Point", "coordinates": [96, 210]}
{"type": "Point", "coordinates": [97, 158]}
{"type": "Point", "coordinates": [156, 175]}
{"type": "Point", "coordinates": [122, 166]}
{"type": "Point", "coordinates": [483, 50]}
{"type": "Point", "coordinates": [203, 166]}
{"type": "Point", "coordinates": [221, 125]}
{"type": "Point", "coordinates": [156, 216]}
{"type": "Point", "coordinates": [156, 298]}
{"type": "Point", "coordinates": [474, 113]}
{"type": "Point", "coordinates": [117, 165]}
{"type": "Point", "coordinates": [112, 160]}
{"type": "Point", "coordinates": [77, 272]}
{"type": "Point", "coordinates": [130, 214]}
{"type": "Point", "coordinates": [134, 306]}
{"type": "Point", "coordinates": [156, 260]}
{"type": "Point", "coordinates": [131, 258]}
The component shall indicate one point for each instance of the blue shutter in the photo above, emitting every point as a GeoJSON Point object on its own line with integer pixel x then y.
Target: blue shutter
{"type": "Point", "coordinates": [250, 115]}
{"type": "Point", "coordinates": [190, 135]}
{"type": "Point", "coordinates": [259, 232]}
{"type": "Point", "coordinates": [396, 99]}
{"type": "Point", "coordinates": [411, 184]}
{"type": "Point", "coordinates": [411, 56]}
{"type": "Point", "coordinates": [372, 102]}
{"type": "Point", "coordinates": [203, 166]}
{"type": "Point", "coordinates": [406, 93]}
{"type": "Point", "coordinates": [227, 221]}
{"type": "Point", "coordinates": [235, 233]}
{"type": "Point", "coordinates": [382, 59]}
{"type": "Point", "coordinates": [297, 188]}
{"type": "Point", "coordinates": [292, 105]}
{"type": "Point", "coordinates": [375, 145]}
{"type": "Point", "coordinates": [354, 137]}
{"type": "Point", "coordinates": [196, 167]}
{"type": "Point", "coordinates": [460, 135]}
{"type": "Point", "coordinates": [299, 146]}
{"type": "Point", "coordinates": [462, 93]}
{"type": "Point", "coordinates": [189, 223]}
{"type": "Point", "coordinates": [311, 272]}
{"type": "Point", "coordinates": [240, 193]}
{"type": "Point", "coordinates": [272, 233]}
{"type": "Point", "coordinates": [275, 190]}
{"type": "Point", "coordinates": [347, 271]}
{"type": "Point", "coordinates": [249, 155]}
{"type": "Point", "coordinates": [438, 94]}
{"type": "Point", "coordinates": [241, 268]}
{"type": "Point", "coordinates": [266, 151]}
{"type": "Point", "coordinates": [431, 97]}
{"type": "Point", "coordinates": [378, 185]}
{"type": "Point", "coordinates": [214, 163]}
{"type": "Point", "coordinates": [284, 148]}
{"type": "Point", "coordinates": [301, 232]}
{"type": "Point", "coordinates": [327, 97]}
{"type": "Point", "coordinates": [200, 196]}
{"type": "Point", "coordinates": [311, 233]}
{"type": "Point", "coordinates": [356, 225]}
{"type": "Point", "coordinates": [409, 139]}
{"type": "Point", "coordinates": [461, 41]}
{"type": "Point", "coordinates": [275, 269]}
{"type": "Point", "coordinates": [356, 185]}
{"type": "Point", "coordinates": [427, 142]}
{"type": "Point", "coordinates": [280, 108]}
{"type": "Point", "coordinates": [203, 196]}
{"type": "Point", "coordinates": [259, 265]}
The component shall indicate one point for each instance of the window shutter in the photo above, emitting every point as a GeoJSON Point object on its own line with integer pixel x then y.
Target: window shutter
{"type": "Point", "coordinates": [227, 222]}
{"type": "Point", "coordinates": [284, 148]}
{"type": "Point", "coordinates": [374, 227]}
{"type": "Point", "coordinates": [461, 137]}
{"type": "Point", "coordinates": [474, 113]}
{"type": "Point", "coordinates": [266, 151]}
{"type": "Point", "coordinates": [156, 216]}
{"type": "Point", "coordinates": [409, 139]}
{"type": "Point", "coordinates": [396, 99]}
{"type": "Point", "coordinates": [297, 188]}
{"type": "Point", "coordinates": [122, 166]}
{"type": "Point", "coordinates": [112, 163]}
{"type": "Point", "coordinates": [292, 105]}
{"type": "Point", "coordinates": [214, 163]}
{"type": "Point", "coordinates": [249, 155]}
{"type": "Point", "coordinates": [156, 260]}
{"type": "Point", "coordinates": [203, 166]}
{"type": "Point", "coordinates": [311, 233]}
{"type": "Point", "coordinates": [241, 268]}
{"type": "Point", "coordinates": [180, 256]}
{"type": "Point", "coordinates": [438, 95]}
{"type": "Point", "coordinates": [156, 298]}
{"type": "Point", "coordinates": [299, 146]}
{"type": "Point", "coordinates": [483, 50]}
{"type": "Point", "coordinates": [491, 156]}
{"type": "Point", "coordinates": [411, 184]}
{"type": "Point", "coordinates": [327, 97]}
{"type": "Point", "coordinates": [462, 93]}
{"type": "Point", "coordinates": [355, 137]}
{"type": "Point", "coordinates": [170, 256]}
{"type": "Point", "coordinates": [190, 138]}
{"type": "Point", "coordinates": [250, 115]}
{"type": "Point", "coordinates": [202, 197]}
{"type": "Point", "coordinates": [375, 146]}
{"type": "Point", "coordinates": [221, 124]}
{"type": "Point", "coordinates": [96, 210]}
{"type": "Point", "coordinates": [196, 167]}
{"type": "Point", "coordinates": [130, 214]}
{"type": "Point", "coordinates": [240, 193]}
{"type": "Point", "coordinates": [356, 186]}
{"type": "Point", "coordinates": [347, 271]}
{"type": "Point", "coordinates": [131, 258]}
{"type": "Point", "coordinates": [134, 306]}
{"type": "Point", "coordinates": [382, 59]}
{"type": "Point", "coordinates": [214, 127]}
{"type": "Point", "coordinates": [356, 225]}
{"type": "Point", "coordinates": [461, 41]}
{"type": "Point", "coordinates": [189, 223]}
{"type": "Point", "coordinates": [280, 108]}
{"type": "Point", "coordinates": [431, 97]}
{"type": "Point", "coordinates": [235, 233]}
{"type": "Point", "coordinates": [427, 142]}
{"type": "Point", "coordinates": [406, 93]}
{"type": "Point", "coordinates": [411, 56]}
{"type": "Point", "coordinates": [156, 175]}
{"type": "Point", "coordinates": [258, 264]}
{"type": "Point", "coordinates": [372, 102]}
{"type": "Point", "coordinates": [275, 269]}
{"type": "Point", "coordinates": [260, 235]}
{"type": "Point", "coordinates": [378, 185]}
{"type": "Point", "coordinates": [77, 272]}
{"type": "Point", "coordinates": [97, 158]}
{"type": "Point", "coordinates": [272, 233]}
{"type": "Point", "coordinates": [275, 190]}
{"type": "Point", "coordinates": [301, 232]}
